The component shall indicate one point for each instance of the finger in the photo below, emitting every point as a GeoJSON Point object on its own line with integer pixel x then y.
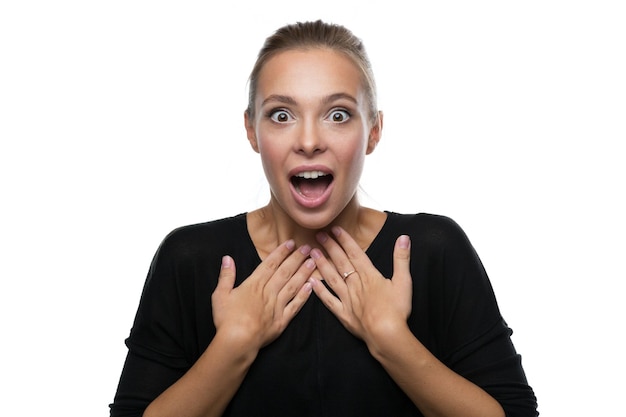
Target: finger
{"type": "Point", "coordinates": [295, 305]}
{"type": "Point", "coordinates": [342, 263]}
{"type": "Point", "coordinates": [331, 302]}
{"type": "Point", "coordinates": [353, 251]}
{"type": "Point", "coordinates": [330, 274]}
{"type": "Point", "coordinates": [226, 278]}
{"type": "Point", "coordinates": [402, 259]}
{"type": "Point", "coordinates": [349, 257]}
{"type": "Point", "coordinates": [287, 269]}
{"type": "Point", "coordinates": [274, 260]}
{"type": "Point", "coordinates": [294, 283]}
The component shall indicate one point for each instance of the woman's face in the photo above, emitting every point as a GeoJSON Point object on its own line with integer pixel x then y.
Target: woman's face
{"type": "Point", "coordinates": [312, 129]}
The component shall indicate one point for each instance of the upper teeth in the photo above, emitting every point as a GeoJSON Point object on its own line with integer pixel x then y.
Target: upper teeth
{"type": "Point", "coordinates": [310, 174]}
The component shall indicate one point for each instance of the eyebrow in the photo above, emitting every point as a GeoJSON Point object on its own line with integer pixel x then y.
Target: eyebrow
{"type": "Point", "coordinates": [339, 96]}
{"type": "Point", "coordinates": [279, 98]}
{"type": "Point", "coordinates": [326, 100]}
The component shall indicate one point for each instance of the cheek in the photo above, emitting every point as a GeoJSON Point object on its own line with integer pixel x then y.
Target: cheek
{"type": "Point", "coordinates": [357, 166]}
{"type": "Point", "coordinates": [353, 150]}
{"type": "Point", "coordinates": [271, 158]}
{"type": "Point", "coordinates": [267, 158]}
{"type": "Point", "coordinates": [353, 158]}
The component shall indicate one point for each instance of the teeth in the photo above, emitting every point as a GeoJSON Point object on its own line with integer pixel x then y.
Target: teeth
{"type": "Point", "coordinates": [310, 174]}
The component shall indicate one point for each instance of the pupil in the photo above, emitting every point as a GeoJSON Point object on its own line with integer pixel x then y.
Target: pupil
{"type": "Point", "coordinates": [338, 117]}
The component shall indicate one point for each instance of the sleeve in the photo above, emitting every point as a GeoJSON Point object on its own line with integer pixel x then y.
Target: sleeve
{"type": "Point", "coordinates": [476, 340]}
{"type": "Point", "coordinates": [157, 346]}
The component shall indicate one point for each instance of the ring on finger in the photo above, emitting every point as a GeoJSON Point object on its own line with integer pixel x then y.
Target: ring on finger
{"type": "Point", "coordinates": [347, 274]}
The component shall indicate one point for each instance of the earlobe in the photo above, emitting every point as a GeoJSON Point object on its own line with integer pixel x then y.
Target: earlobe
{"type": "Point", "coordinates": [375, 133]}
{"type": "Point", "coordinates": [250, 131]}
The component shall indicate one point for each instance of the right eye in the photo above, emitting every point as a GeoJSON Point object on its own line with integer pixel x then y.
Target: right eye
{"type": "Point", "coordinates": [281, 116]}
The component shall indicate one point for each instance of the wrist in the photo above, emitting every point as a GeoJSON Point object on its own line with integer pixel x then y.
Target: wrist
{"type": "Point", "coordinates": [238, 345]}
{"type": "Point", "coordinates": [386, 338]}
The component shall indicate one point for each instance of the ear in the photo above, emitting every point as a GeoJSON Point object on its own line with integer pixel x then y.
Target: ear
{"type": "Point", "coordinates": [250, 132]}
{"type": "Point", "coordinates": [375, 133]}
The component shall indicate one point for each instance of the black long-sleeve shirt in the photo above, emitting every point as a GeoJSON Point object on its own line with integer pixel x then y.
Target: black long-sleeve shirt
{"type": "Point", "coordinates": [316, 367]}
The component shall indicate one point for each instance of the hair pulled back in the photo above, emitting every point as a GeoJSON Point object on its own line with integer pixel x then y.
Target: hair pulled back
{"type": "Point", "coordinates": [318, 34]}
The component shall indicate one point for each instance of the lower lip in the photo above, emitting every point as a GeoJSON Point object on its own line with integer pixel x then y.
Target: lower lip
{"type": "Point", "coordinates": [311, 203]}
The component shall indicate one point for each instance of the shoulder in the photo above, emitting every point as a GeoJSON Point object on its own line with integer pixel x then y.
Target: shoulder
{"type": "Point", "coordinates": [432, 230]}
{"type": "Point", "coordinates": [191, 240]}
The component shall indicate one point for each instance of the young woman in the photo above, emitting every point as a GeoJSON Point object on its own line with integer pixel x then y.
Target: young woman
{"type": "Point", "coordinates": [315, 305]}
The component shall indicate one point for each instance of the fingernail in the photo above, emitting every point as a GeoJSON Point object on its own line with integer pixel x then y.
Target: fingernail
{"type": "Point", "coordinates": [290, 244]}
{"type": "Point", "coordinates": [305, 249]}
{"type": "Point", "coordinates": [316, 253]}
{"type": "Point", "coordinates": [309, 263]}
{"type": "Point", "coordinates": [404, 242]}
{"type": "Point", "coordinates": [227, 262]}
{"type": "Point", "coordinates": [321, 237]}
{"type": "Point", "coordinates": [336, 230]}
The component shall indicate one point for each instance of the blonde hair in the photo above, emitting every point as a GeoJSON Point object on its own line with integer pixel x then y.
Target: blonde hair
{"type": "Point", "coordinates": [318, 34]}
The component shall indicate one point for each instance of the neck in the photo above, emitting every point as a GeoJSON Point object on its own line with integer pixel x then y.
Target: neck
{"type": "Point", "coordinates": [270, 225]}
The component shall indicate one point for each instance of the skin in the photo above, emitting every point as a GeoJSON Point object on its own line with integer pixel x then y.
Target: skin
{"type": "Point", "coordinates": [309, 88]}
{"type": "Point", "coordinates": [301, 100]}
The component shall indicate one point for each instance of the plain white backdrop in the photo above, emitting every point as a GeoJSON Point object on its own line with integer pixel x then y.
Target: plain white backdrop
{"type": "Point", "coordinates": [121, 120]}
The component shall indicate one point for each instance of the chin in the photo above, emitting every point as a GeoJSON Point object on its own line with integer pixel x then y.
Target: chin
{"type": "Point", "coordinates": [316, 221]}
{"type": "Point", "coordinates": [313, 225]}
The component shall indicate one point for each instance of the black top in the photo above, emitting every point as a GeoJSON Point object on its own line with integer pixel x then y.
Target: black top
{"type": "Point", "coordinates": [316, 367]}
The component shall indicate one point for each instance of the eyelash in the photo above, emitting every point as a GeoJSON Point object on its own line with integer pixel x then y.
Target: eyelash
{"type": "Point", "coordinates": [345, 112]}
{"type": "Point", "coordinates": [273, 114]}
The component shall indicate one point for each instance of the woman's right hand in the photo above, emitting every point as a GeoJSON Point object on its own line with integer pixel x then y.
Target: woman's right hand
{"type": "Point", "coordinates": [247, 317]}
{"type": "Point", "coordinates": [257, 311]}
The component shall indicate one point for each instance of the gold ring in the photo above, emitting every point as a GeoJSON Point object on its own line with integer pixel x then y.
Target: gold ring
{"type": "Point", "coordinates": [347, 274]}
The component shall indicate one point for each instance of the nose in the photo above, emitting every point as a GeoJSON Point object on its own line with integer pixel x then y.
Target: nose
{"type": "Point", "coordinates": [310, 140]}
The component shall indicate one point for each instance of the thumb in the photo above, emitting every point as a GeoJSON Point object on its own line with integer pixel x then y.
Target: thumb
{"type": "Point", "coordinates": [402, 258]}
{"type": "Point", "coordinates": [226, 279]}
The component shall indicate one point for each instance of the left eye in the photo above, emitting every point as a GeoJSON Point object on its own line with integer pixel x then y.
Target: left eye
{"type": "Point", "coordinates": [338, 116]}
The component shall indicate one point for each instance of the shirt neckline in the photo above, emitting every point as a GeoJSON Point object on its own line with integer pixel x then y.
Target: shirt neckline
{"type": "Point", "coordinates": [378, 240]}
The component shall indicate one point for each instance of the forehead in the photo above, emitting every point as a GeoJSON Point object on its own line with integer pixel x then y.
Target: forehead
{"type": "Point", "coordinates": [310, 72]}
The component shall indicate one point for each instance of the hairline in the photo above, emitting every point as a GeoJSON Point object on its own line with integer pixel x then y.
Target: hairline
{"type": "Point", "coordinates": [366, 72]}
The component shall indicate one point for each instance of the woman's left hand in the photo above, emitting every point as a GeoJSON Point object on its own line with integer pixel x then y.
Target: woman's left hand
{"type": "Point", "coordinates": [367, 304]}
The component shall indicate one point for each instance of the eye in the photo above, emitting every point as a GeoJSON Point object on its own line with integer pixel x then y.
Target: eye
{"type": "Point", "coordinates": [281, 116]}
{"type": "Point", "coordinates": [339, 116]}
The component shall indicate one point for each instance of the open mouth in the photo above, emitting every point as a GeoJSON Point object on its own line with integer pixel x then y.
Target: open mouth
{"type": "Point", "coordinates": [311, 184]}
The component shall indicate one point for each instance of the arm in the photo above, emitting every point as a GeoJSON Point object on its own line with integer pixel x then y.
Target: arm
{"type": "Point", "coordinates": [434, 388]}
{"type": "Point", "coordinates": [247, 317]}
{"type": "Point", "coordinates": [208, 386]}
{"type": "Point", "coordinates": [376, 310]}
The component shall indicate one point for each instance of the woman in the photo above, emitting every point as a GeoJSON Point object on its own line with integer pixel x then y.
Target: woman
{"type": "Point", "coordinates": [403, 320]}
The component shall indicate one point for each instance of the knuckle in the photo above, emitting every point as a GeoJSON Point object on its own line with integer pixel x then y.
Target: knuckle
{"type": "Point", "coordinates": [352, 253]}
{"type": "Point", "coordinates": [270, 265]}
{"type": "Point", "coordinates": [403, 256]}
{"type": "Point", "coordinates": [284, 272]}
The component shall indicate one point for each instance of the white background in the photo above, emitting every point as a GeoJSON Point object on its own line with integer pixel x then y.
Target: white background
{"type": "Point", "coordinates": [121, 120]}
